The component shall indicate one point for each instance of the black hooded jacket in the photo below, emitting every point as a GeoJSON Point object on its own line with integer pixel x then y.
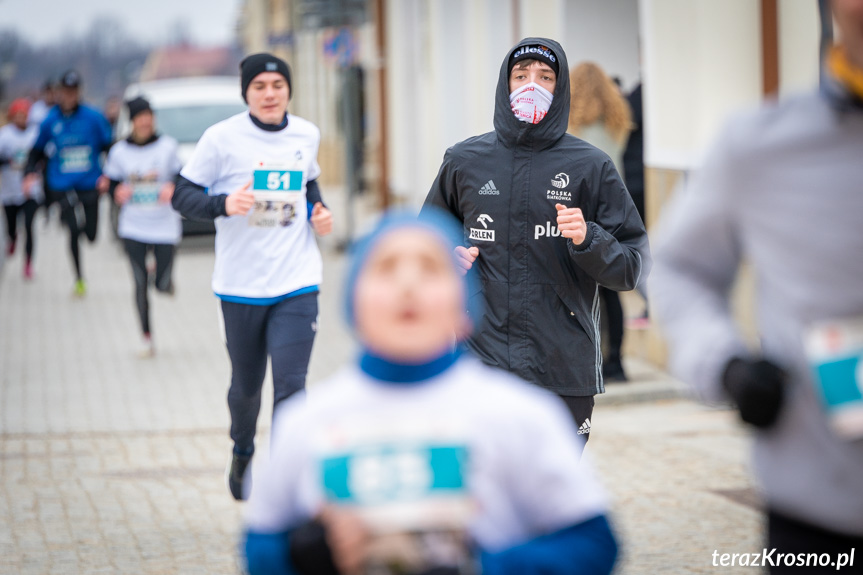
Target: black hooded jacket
{"type": "Point", "coordinates": [539, 291]}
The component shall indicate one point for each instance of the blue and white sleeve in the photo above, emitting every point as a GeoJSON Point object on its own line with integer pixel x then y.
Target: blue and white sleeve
{"type": "Point", "coordinates": [586, 548]}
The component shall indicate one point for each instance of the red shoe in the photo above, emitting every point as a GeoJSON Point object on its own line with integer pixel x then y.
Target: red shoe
{"type": "Point", "coordinates": [28, 271]}
{"type": "Point", "coordinates": [10, 249]}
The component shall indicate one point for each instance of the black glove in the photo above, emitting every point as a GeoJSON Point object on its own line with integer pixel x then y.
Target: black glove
{"type": "Point", "coordinates": [309, 550]}
{"type": "Point", "coordinates": [757, 387]}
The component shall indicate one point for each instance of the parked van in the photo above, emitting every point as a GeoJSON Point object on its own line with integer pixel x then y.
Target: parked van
{"type": "Point", "coordinates": [184, 108]}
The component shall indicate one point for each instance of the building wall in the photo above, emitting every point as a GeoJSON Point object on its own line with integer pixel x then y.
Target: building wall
{"type": "Point", "coordinates": [698, 74]}
{"type": "Point", "coordinates": [799, 39]}
{"type": "Point", "coordinates": [605, 33]}
{"type": "Point", "coordinates": [701, 61]}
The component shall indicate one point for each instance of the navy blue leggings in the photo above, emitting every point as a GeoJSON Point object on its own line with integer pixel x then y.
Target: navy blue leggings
{"type": "Point", "coordinates": [285, 332]}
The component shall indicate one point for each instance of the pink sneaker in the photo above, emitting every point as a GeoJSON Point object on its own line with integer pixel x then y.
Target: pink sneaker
{"type": "Point", "coordinates": [28, 270]}
{"type": "Point", "coordinates": [146, 350]}
{"type": "Point", "coordinates": [638, 323]}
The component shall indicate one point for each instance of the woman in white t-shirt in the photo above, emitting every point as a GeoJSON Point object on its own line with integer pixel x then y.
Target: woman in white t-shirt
{"type": "Point", "coordinates": [142, 169]}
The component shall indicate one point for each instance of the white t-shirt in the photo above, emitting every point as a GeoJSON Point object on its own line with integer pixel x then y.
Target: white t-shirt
{"type": "Point", "coordinates": [15, 145]}
{"type": "Point", "coordinates": [271, 251]}
{"type": "Point", "coordinates": [516, 443]}
{"type": "Point", "coordinates": [146, 168]}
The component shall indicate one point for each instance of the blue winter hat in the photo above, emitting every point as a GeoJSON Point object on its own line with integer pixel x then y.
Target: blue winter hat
{"type": "Point", "coordinates": [445, 229]}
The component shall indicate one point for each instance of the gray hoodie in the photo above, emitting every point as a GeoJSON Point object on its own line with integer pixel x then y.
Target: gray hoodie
{"type": "Point", "coordinates": [782, 189]}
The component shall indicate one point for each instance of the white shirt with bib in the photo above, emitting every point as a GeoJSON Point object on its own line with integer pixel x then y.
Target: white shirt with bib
{"type": "Point", "coordinates": [146, 168]}
{"type": "Point", "coordinates": [271, 251]}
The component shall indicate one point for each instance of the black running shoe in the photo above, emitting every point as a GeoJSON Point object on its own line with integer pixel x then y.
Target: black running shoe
{"type": "Point", "coordinates": [236, 473]}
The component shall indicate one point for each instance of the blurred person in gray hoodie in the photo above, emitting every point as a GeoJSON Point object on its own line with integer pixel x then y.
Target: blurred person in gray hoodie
{"type": "Point", "coordinates": [782, 188]}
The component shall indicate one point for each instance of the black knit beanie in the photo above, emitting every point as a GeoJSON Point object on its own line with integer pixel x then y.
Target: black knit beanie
{"type": "Point", "coordinates": [137, 106]}
{"type": "Point", "coordinates": [256, 64]}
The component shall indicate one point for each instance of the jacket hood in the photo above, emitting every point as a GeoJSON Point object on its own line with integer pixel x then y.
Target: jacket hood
{"type": "Point", "coordinates": [513, 131]}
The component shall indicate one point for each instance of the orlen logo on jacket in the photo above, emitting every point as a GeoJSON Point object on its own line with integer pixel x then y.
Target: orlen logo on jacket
{"type": "Point", "coordinates": [545, 230]}
{"type": "Point", "coordinates": [560, 181]}
{"type": "Point", "coordinates": [485, 234]}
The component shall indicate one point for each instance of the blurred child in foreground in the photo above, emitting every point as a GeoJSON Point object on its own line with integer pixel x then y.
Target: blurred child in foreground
{"type": "Point", "coordinates": [402, 464]}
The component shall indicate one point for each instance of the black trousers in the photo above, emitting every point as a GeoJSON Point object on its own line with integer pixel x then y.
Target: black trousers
{"type": "Point", "coordinates": [80, 212]}
{"type": "Point", "coordinates": [28, 208]}
{"type": "Point", "coordinates": [285, 332]}
{"type": "Point", "coordinates": [581, 409]}
{"type": "Point", "coordinates": [614, 315]}
{"type": "Point", "coordinates": [805, 541]}
{"type": "Point", "coordinates": [137, 252]}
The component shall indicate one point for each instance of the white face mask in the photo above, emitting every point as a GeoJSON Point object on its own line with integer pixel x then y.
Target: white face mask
{"type": "Point", "coordinates": [530, 103]}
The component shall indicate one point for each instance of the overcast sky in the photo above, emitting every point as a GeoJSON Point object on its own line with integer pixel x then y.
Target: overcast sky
{"type": "Point", "coordinates": [208, 22]}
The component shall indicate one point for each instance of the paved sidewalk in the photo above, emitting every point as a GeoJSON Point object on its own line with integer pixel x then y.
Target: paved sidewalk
{"type": "Point", "coordinates": [113, 464]}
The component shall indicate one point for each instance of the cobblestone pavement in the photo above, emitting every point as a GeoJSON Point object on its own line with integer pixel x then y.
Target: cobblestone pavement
{"type": "Point", "coordinates": [114, 464]}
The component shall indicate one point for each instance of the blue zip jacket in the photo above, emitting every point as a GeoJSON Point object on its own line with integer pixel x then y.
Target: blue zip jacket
{"type": "Point", "coordinates": [77, 140]}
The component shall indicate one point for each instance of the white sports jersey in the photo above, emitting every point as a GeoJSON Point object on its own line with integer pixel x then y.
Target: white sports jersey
{"type": "Point", "coordinates": [15, 145]}
{"type": "Point", "coordinates": [146, 168]}
{"type": "Point", "coordinates": [271, 251]}
{"type": "Point", "coordinates": [403, 453]}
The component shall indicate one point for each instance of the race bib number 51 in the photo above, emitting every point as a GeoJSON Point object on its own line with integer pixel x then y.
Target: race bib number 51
{"type": "Point", "coordinates": [275, 180]}
{"type": "Point", "coordinates": [278, 191]}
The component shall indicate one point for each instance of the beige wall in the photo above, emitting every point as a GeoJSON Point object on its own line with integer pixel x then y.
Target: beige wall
{"type": "Point", "coordinates": [442, 63]}
{"type": "Point", "coordinates": [799, 40]}
{"type": "Point", "coordinates": [701, 61]}
{"type": "Point", "coordinates": [695, 76]}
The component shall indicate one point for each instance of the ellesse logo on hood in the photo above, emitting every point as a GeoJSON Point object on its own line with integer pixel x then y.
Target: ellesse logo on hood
{"type": "Point", "coordinates": [539, 50]}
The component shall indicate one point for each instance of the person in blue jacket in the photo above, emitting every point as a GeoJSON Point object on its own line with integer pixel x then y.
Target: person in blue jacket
{"type": "Point", "coordinates": [71, 139]}
{"type": "Point", "coordinates": [400, 464]}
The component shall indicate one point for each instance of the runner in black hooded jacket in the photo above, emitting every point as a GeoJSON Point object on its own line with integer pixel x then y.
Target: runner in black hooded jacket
{"type": "Point", "coordinates": [539, 290]}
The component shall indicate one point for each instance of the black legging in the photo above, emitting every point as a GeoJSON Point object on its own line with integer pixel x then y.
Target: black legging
{"type": "Point", "coordinates": [29, 208]}
{"type": "Point", "coordinates": [614, 313]}
{"type": "Point", "coordinates": [581, 410]}
{"type": "Point", "coordinates": [83, 205]}
{"type": "Point", "coordinates": [164, 265]}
